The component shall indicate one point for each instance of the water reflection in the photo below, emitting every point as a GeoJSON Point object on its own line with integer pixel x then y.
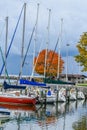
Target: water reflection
{"type": "Point", "coordinates": [61, 116]}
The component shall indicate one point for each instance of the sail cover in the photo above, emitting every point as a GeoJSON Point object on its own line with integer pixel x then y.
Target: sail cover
{"type": "Point", "coordinates": [8, 86]}
{"type": "Point", "coordinates": [53, 81]}
{"type": "Point", "coordinates": [33, 83]}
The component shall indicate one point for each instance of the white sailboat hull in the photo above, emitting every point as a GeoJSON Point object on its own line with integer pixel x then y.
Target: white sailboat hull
{"type": "Point", "coordinates": [80, 95]}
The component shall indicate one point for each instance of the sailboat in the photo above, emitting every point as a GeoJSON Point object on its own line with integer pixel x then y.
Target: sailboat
{"type": "Point", "coordinates": [80, 95]}
{"type": "Point", "coordinates": [72, 94]}
{"type": "Point", "coordinates": [76, 95]}
{"type": "Point", "coordinates": [52, 96]}
{"type": "Point", "coordinates": [32, 82]}
{"type": "Point", "coordinates": [16, 98]}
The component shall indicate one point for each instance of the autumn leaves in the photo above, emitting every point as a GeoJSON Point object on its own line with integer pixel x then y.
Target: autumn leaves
{"type": "Point", "coordinates": [51, 63]}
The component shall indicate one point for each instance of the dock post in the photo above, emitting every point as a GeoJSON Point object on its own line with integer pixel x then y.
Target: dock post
{"type": "Point", "coordinates": [45, 99]}
{"type": "Point", "coordinates": [57, 108]}
{"type": "Point", "coordinates": [85, 96]}
{"type": "Point", "coordinates": [57, 94]}
{"type": "Point", "coordinates": [76, 93]}
{"type": "Point", "coordinates": [67, 94]}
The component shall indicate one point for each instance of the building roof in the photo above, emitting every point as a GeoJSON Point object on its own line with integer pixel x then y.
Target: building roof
{"type": "Point", "coordinates": [73, 75]}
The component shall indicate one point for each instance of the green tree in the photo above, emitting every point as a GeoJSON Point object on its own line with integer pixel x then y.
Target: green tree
{"type": "Point", "coordinates": [81, 58]}
{"type": "Point", "coordinates": [80, 124]}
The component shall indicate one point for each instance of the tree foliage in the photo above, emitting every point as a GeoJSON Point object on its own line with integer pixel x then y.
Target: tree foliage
{"type": "Point", "coordinates": [51, 63]}
{"type": "Point", "coordinates": [81, 124]}
{"type": "Point", "coordinates": [81, 58]}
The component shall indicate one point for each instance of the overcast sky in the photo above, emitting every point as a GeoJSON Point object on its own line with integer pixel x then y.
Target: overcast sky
{"type": "Point", "coordinates": [73, 13]}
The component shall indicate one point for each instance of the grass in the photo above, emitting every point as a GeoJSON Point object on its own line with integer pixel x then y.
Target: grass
{"type": "Point", "coordinates": [84, 85]}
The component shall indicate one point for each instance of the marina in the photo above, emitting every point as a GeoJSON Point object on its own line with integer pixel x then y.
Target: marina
{"type": "Point", "coordinates": [51, 92]}
{"type": "Point", "coordinates": [32, 92]}
{"type": "Point", "coordinates": [38, 92]}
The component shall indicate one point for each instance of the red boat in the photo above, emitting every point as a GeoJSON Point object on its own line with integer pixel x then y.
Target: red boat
{"type": "Point", "coordinates": [14, 99]}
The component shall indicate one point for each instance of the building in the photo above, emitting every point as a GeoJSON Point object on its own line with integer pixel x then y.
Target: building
{"type": "Point", "coordinates": [75, 78]}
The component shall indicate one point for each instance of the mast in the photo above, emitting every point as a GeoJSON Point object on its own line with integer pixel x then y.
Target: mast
{"type": "Point", "coordinates": [67, 45]}
{"type": "Point", "coordinates": [6, 41]}
{"type": "Point", "coordinates": [23, 38]}
{"type": "Point", "coordinates": [59, 46]}
{"type": "Point", "coordinates": [47, 43]}
{"type": "Point", "coordinates": [35, 40]}
{"type": "Point", "coordinates": [60, 35]}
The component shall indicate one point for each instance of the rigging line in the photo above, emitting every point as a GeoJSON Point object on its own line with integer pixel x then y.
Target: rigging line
{"type": "Point", "coordinates": [60, 34]}
{"type": "Point", "coordinates": [37, 59]}
{"type": "Point", "coordinates": [35, 37]}
{"type": "Point", "coordinates": [4, 63]}
{"type": "Point", "coordinates": [27, 48]}
{"type": "Point", "coordinates": [53, 53]}
{"type": "Point", "coordinates": [12, 39]}
{"type": "Point", "coordinates": [2, 30]}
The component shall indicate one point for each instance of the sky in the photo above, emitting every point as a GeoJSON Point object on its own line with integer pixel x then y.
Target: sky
{"type": "Point", "coordinates": [73, 13]}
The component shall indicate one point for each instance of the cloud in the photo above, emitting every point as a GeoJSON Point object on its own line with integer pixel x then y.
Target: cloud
{"type": "Point", "coordinates": [74, 17]}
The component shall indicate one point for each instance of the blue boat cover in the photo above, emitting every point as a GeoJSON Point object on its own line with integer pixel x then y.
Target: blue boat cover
{"type": "Point", "coordinates": [34, 83]}
{"type": "Point", "coordinates": [49, 93]}
{"type": "Point", "coordinates": [8, 86]}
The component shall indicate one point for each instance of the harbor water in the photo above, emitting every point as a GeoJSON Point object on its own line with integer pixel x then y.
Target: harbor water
{"type": "Point", "coordinates": [61, 116]}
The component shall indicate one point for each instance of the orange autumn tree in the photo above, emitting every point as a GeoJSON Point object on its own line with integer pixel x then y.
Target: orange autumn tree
{"type": "Point", "coordinates": [51, 63]}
